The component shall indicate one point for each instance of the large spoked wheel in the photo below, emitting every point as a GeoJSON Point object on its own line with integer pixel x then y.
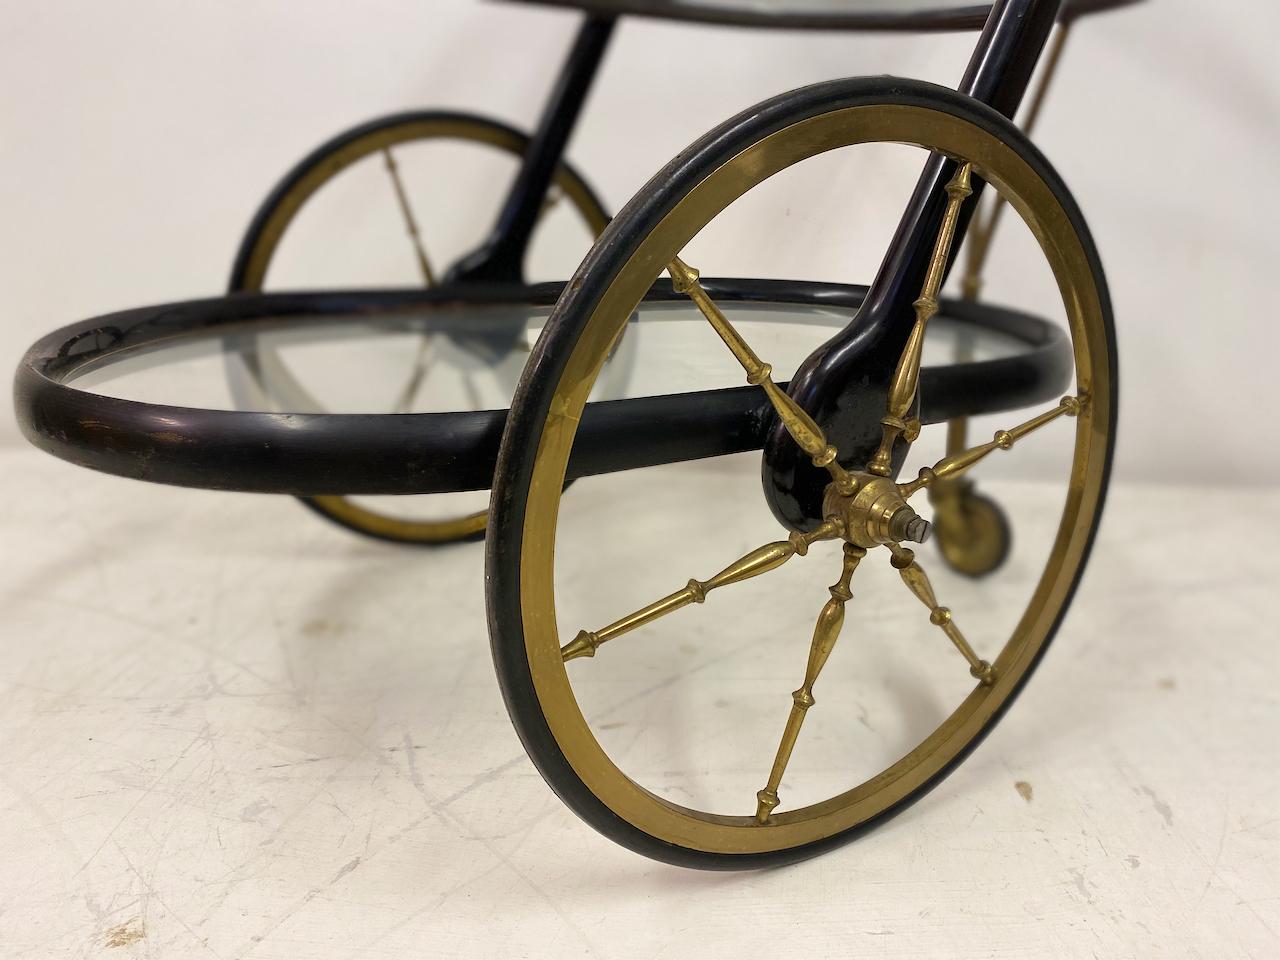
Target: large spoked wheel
{"type": "Point", "coordinates": [389, 143]}
{"type": "Point", "coordinates": [542, 663]}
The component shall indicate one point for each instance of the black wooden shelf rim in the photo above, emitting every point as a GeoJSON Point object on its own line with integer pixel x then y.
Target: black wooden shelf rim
{"type": "Point", "coordinates": [313, 454]}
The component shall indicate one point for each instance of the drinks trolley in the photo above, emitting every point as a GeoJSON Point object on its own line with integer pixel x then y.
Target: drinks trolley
{"type": "Point", "coordinates": [832, 441]}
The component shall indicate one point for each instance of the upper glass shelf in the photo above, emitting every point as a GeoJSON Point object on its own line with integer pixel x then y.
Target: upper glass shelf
{"type": "Point", "coordinates": [821, 14]}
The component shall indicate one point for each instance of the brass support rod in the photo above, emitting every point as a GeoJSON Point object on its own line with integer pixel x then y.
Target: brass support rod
{"type": "Point", "coordinates": [946, 508]}
{"type": "Point", "coordinates": [956, 431]}
{"type": "Point", "coordinates": [904, 561]}
{"type": "Point", "coordinates": [953, 466]}
{"type": "Point", "coordinates": [802, 427]}
{"type": "Point", "coordinates": [906, 376]}
{"type": "Point", "coordinates": [958, 427]}
{"type": "Point", "coordinates": [825, 634]}
{"type": "Point", "coordinates": [758, 561]}
{"type": "Point", "coordinates": [981, 233]}
{"type": "Point", "coordinates": [410, 223]}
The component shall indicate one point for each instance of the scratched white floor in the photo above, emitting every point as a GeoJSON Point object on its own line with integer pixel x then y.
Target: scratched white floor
{"type": "Point", "coordinates": [229, 730]}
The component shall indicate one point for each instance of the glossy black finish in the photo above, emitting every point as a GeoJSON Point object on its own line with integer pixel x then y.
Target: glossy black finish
{"type": "Point", "coordinates": [500, 259]}
{"type": "Point", "coordinates": [312, 454]}
{"type": "Point", "coordinates": [844, 383]}
{"type": "Point", "coordinates": [800, 15]}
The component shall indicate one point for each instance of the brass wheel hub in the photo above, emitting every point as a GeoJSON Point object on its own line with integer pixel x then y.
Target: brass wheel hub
{"type": "Point", "coordinates": [874, 513]}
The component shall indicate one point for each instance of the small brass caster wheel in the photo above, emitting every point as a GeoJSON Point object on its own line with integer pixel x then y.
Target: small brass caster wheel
{"type": "Point", "coordinates": [972, 531]}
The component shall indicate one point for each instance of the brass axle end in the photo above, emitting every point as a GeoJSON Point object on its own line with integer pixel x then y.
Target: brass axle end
{"type": "Point", "coordinates": [907, 526]}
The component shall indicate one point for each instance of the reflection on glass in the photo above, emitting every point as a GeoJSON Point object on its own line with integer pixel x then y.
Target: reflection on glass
{"type": "Point", "coordinates": [474, 355]}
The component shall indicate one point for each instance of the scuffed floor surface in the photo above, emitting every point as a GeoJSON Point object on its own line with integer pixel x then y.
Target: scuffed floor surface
{"type": "Point", "coordinates": [229, 730]}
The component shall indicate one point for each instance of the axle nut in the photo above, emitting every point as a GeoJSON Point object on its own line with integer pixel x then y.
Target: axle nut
{"type": "Point", "coordinates": [907, 525]}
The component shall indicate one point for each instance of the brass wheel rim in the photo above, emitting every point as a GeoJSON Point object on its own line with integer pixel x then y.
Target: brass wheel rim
{"type": "Point", "coordinates": [344, 509]}
{"type": "Point", "coordinates": [1032, 197]}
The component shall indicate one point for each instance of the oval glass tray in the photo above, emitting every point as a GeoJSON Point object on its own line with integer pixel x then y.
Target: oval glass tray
{"type": "Point", "coordinates": [298, 393]}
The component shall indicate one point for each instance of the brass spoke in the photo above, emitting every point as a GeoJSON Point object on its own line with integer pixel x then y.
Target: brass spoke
{"type": "Point", "coordinates": [758, 561]}
{"type": "Point", "coordinates": [906, 376]}
{"type": "Point", "coordinates": [410, 224]}
{"type": "Point", "coordinates": [914, 577]}
{"type": "Point", "coordinates": [953, 466]}
{"type": "Point", "coordinates": [825, 634]}
{"type": "Point", "coordinates": [421, 362]}
{"type": "Point", "coordinates": [802, 427]}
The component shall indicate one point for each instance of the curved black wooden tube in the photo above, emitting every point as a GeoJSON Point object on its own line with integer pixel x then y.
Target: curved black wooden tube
{"type": "Point", "coordinates": [312, 454]}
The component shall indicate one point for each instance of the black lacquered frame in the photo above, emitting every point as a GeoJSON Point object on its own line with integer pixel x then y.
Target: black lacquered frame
{"type": "Point", "coordinates": [313, 454]}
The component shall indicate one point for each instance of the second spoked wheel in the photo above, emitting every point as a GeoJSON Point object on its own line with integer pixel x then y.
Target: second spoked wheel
{"type": "Point", "coordinates": [395, 202]}
{"type": "Point", "coordinates": [554, 674]}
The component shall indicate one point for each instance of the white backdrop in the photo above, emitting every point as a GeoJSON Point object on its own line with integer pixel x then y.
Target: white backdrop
{"type": "Point", "coordinates": [136, 139]}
